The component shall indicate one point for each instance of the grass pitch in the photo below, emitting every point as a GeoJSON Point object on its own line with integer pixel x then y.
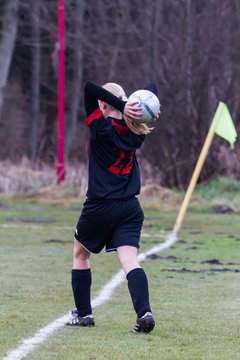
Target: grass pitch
{"type": "Point", "coordinates": [194, 286]}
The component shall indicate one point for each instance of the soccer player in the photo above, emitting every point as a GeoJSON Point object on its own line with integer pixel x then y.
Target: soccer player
{"type": "Point", "coordinates": [111, 216]}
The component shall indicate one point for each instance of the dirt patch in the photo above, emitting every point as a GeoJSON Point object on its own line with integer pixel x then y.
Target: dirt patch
{"type": "Point", "coordinates": [55, 241]}
{"type": "Point", "coordinates": [182, 242]}
{"type": "Point", "coordinates": [212, 262]}
{"type": "Point", "coordinates": [217, 262]}
{"type": "Point", "coordinates": [31, 220]}
{"type": "Point", "coordinates": [155, 257]}
{"type": "Point", "coordinates": [223, 209]}
{"type": "Point", "coordinates": [149, 226]}
{"type": "Point", "coordinates": [232, 263]}
{"type": "Point", "coordinates": [235, 237]}
{"type": "Point", "coordinates": [185, 270]}
{"type": "Point", "coordinates": [176, 259]}
{"type": "Point", "coordinates": [194, 248]}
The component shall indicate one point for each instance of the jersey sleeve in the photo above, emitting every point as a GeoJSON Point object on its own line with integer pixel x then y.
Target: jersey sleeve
{"type": "Point", "coordinates": [93, 92]}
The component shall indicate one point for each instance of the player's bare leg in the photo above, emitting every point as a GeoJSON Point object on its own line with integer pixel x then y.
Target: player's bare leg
{"type": "Point", "coordinates": [80, 256]}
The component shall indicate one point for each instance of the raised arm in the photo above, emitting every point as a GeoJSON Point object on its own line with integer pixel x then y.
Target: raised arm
{"type": "Point", "coordinates": [93, 92]}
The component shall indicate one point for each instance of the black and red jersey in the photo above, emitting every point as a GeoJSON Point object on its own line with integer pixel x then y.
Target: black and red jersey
{"type": "Point", "coordinates": [113, 167]}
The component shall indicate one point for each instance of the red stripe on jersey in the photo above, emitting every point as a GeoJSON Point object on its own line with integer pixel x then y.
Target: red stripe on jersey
{"type": "Point", "coordinates": [120, 129]}
{"type": "Point", "coordinates": [95, 115]}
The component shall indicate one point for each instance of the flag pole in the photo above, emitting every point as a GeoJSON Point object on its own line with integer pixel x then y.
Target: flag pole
{"type": "Point", "coordinates": [61, 92]}
{"type": "Point", "coordinates": [193, 181]}
{"type": "Point", "coordinates": [223, 126]}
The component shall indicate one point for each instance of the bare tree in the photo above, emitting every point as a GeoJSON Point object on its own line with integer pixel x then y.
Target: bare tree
{"type": "Point", "coordinates": [7, 41]}
{"type": "Point", "coordinates": [35, 81]}
{"type": "Point", "coordinates": [76, 44]}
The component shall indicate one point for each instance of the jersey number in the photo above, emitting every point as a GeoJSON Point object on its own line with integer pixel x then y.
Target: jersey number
{"type": "Point", "coordinates": [123, 164]}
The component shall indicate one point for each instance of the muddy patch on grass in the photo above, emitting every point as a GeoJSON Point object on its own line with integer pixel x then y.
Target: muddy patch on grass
{"type": "Point", "coordinates": [217, 262]}
{"type": "Point", "coordinates": [186, 260]}
{"type": "Point", "coordinates": [195, 232]}
{"type": "Point", "coordinates": [55, 241]}
{"type": "Point", "coordinates": [182, 242]}
{"type": "Point", "coordinates": [234, 237]}
{"type": "Point", "coordinates": [31, 220]}
{"type": "Point", "coordinates": [223, 209]}
{"type": "Point", "coordinates": [148, 226]}
{"type": "Point", "coordinates": [213, 270]}
{"type": "Point", "coordinates": [212, 262]}
{"type": "Point", "coordinates": [195, 248]}
{"type": "Point", "coordinates": [159, 257]}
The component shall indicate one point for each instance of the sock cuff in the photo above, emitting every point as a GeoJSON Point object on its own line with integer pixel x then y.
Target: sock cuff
{"type": "Point", "coordinates": [78, 273]}
{"type": "Point", "coordinates": [134, 272]}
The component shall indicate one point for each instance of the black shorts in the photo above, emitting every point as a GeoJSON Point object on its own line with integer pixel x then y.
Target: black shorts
{"type": "Point", "coordinates": [110, 224]}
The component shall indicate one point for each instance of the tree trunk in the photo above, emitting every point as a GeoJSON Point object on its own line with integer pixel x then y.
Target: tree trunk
{"type": "Point", "coordinates": [77, 72]}
{"type": "Point", "coordinates": [36, 67]}
{"type": "Point", "coordinates": [7, 40]}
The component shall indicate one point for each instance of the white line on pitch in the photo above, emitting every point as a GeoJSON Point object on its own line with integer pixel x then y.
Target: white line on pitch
{"type": "Point", "coordinates": [28, 345]}
{"type": "Point", "coordinates": [161, 234]}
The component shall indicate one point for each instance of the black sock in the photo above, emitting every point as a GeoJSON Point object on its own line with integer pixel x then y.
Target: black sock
{"type": "Point", "coordinates": [81, 285]}
{"type": "Point", "coordinates": [138, 288]}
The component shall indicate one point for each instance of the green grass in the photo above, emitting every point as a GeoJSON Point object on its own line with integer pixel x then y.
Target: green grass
{"type": "Point", "coordinates": [227, 188]}
{"type": "Point", "coordinates": [221, 191]}
{"type": "Point", "coordinates": [196, 305]}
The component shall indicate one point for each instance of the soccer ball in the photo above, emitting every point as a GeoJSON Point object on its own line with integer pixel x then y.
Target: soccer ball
{"type": "Point", "coordinates": [149, 104]}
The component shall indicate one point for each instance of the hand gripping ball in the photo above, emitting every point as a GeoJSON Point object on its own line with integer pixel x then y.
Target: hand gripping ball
{"type": "Point", "coordinates": [149, 104]}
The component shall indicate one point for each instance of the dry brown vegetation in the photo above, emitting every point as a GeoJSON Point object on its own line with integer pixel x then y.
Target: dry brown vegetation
{"type": "Point", "coordinates": [28, 178]}
{"type": "Point", "coordinates": [40, 181]}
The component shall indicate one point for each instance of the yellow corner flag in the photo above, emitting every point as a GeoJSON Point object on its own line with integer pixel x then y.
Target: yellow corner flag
{"type": "Point", "coordinates": [222, 124]}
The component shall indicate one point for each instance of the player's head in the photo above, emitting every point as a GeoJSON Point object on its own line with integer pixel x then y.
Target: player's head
{"type": "Point", "coordinates": [116, 90]}
{"type": "Point", "coordinates": [134, 126]}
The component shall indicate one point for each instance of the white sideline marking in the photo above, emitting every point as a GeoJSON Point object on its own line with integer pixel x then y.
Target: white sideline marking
{"type": "Point", "coordinates": [161, 234]}
{"type": "Point", "coordinates": [28, 345]}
